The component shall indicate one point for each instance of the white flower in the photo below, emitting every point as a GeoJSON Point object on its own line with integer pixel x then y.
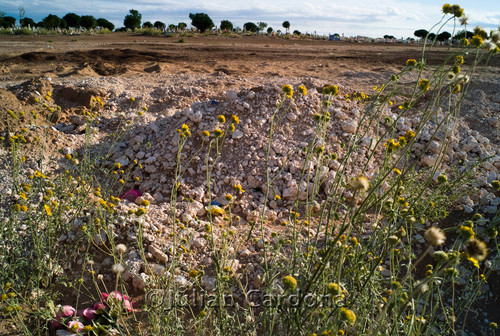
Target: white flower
{"type": "Point", "coordinates": [495, 36]}
{"type": "Point", "coordinates": [118, 268]}
{"type": "Point", "coordinates": [421, 286]}
{"type": "Point", "coordinates": [121, 248]}
{"type": "Point", "coordinates": [464, 20]}
{"type": "Point", "coordinates": [360, 183]}
{"type": "Point", "coordinates": [434, 236]}
{"type": "Point", "coordinates": [489, 45]}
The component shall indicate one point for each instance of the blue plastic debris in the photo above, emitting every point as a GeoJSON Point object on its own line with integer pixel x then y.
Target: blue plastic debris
{"type": "Point", "coordinates": [214, 102]}
{"type": "Point", "coordinates": [215, 203]}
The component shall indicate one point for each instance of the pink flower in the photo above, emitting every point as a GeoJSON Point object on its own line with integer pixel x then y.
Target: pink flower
{"type": "Point", "coordinates": [100, 305]}
{"type": "Point", "coordinates": [116, 295]}
{"type": "Point", "coordinates": [131, 194]}
{"type": "Point", "coordinates": [65, 311]}
{"type": "Point", "coordinates": [89, 313]}
{"type": "Point", "coordinates": [75, 326]}
{"type": "Point", "coordinates": [128, 305]}
{"type": "Point", "coordinates": [125, 299]}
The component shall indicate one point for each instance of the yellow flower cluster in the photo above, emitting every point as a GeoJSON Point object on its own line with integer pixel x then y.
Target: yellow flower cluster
{"type": "Point", "coordinates": [392, 145]}
{"type": "Point", "coordinates": [355, 96]}
{"type": "Point", "coordinates": [331, 90]}
{"type": "Point", "coordinates": [184, 131]}
{"type": "Point", "coordinates": [456, 10]}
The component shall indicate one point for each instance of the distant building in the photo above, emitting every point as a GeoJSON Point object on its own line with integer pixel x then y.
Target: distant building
{"type": "Point", "coordinates": [334, 37]}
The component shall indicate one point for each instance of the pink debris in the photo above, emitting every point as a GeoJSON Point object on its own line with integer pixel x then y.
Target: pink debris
{"type": "Point", "coordinates": [131, 195]}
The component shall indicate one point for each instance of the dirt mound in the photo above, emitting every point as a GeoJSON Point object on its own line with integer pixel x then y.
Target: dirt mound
{"type": "Point", "coordinates": [34, 88]}
{"type": "Point", "coordinates": [9, 101]}
{"type": "Point", "coordinates": [67, 97]}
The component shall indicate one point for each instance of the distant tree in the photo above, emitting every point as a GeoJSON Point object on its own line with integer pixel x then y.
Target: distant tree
{"type": "Point", "coordinates": [147, 24]}
{"type": "Point", "coordinates": [159, 25]}
{"type": "Point", "coordinates": [421, 33]}
{"type": "Point", "coordinates": [262, 26]}
{"type": "Point", "coordinates": [251, 27]}
{"type": "Point", "coordinates": [7, 21]}
{"type": "Point", "coordinates": [296, 32]}
{"type": "Point", "coordinates": [88, 22]}
{"type": "Point", "coordinates": [226, 25]}
{"type": "Point", "coordinates": [432, 36]}
{"type": "Point", "coordinates": [389, 37]}
{"type": "Point", "coordinates": [286, 25]}
{"type": "Point", "coordinates": [444, 36]}
{"type": "Point", "coordinates": [172, 27]}
{"type": "Point", "coordinates": [27, 22]}
{"type": "Point", "coordinates": [132, 20]}
{"type": "Point", "coordinates": [201, 21]}
{"type": "Point", "coordinates": [51, 21]}
{"type": "Point", "coordinates": [63, 24]}
{"type": "Point", "coordinates": [462, 34]}
{"type": "Point", "coordinates": [270, 30]}
{"type": "Point", "coordinates": [73, 20]}
{"type": "Point", "coordinates": [182, 25]}
{"type": "Point", "coordinates": [278, 32]}
{"type": "Point", "coordinates": [105, 24]}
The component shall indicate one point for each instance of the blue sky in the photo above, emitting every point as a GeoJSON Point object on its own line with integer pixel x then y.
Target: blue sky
{"type": "Point", "coordinates": [372, 18]}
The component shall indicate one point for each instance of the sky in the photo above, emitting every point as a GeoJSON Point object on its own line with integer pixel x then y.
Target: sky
{"type": "Point", "coordinates": [373, 18]}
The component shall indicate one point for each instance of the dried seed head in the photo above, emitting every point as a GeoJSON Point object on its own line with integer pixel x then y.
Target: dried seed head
{"type": "Point", "coordinates": [434, 236]}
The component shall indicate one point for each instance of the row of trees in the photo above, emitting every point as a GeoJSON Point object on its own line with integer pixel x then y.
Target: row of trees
{"type": "Point", "coordinates": [132, 21]}
{"type": "Point", "coordinates": [201, 21]}
{"type": "Point", "coordinates": [444, 36]}
{"type": "Point", "coordinates": [51, 21]}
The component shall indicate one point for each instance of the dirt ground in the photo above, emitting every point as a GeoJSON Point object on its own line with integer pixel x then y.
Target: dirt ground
{"type": "Point", "coordinates": [24, 57]}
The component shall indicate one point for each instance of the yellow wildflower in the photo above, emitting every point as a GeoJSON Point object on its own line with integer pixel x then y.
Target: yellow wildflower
{"type": "Point", "coordinates": [48, 210]}
{"type": "Point", "coordinates": [476, 41]}
{"type": "Point", "coordinates": [288, 90]}
{"type": "Point", "coordinates": [424, 85]}
{"type": "Point", "coordinates": [289, 282]}
{"type": "Point", "coordinates": [348, 315]}
{"type": "Point", "coordinates": [221, 118]}
{"type": "Point", "coordinates": [411, 62]}
{"type": "Point", "coordinates": [302, 90]}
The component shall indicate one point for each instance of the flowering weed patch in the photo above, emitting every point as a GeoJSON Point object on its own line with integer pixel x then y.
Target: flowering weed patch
{"type": "Point", "coordinates": [360, 250]}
